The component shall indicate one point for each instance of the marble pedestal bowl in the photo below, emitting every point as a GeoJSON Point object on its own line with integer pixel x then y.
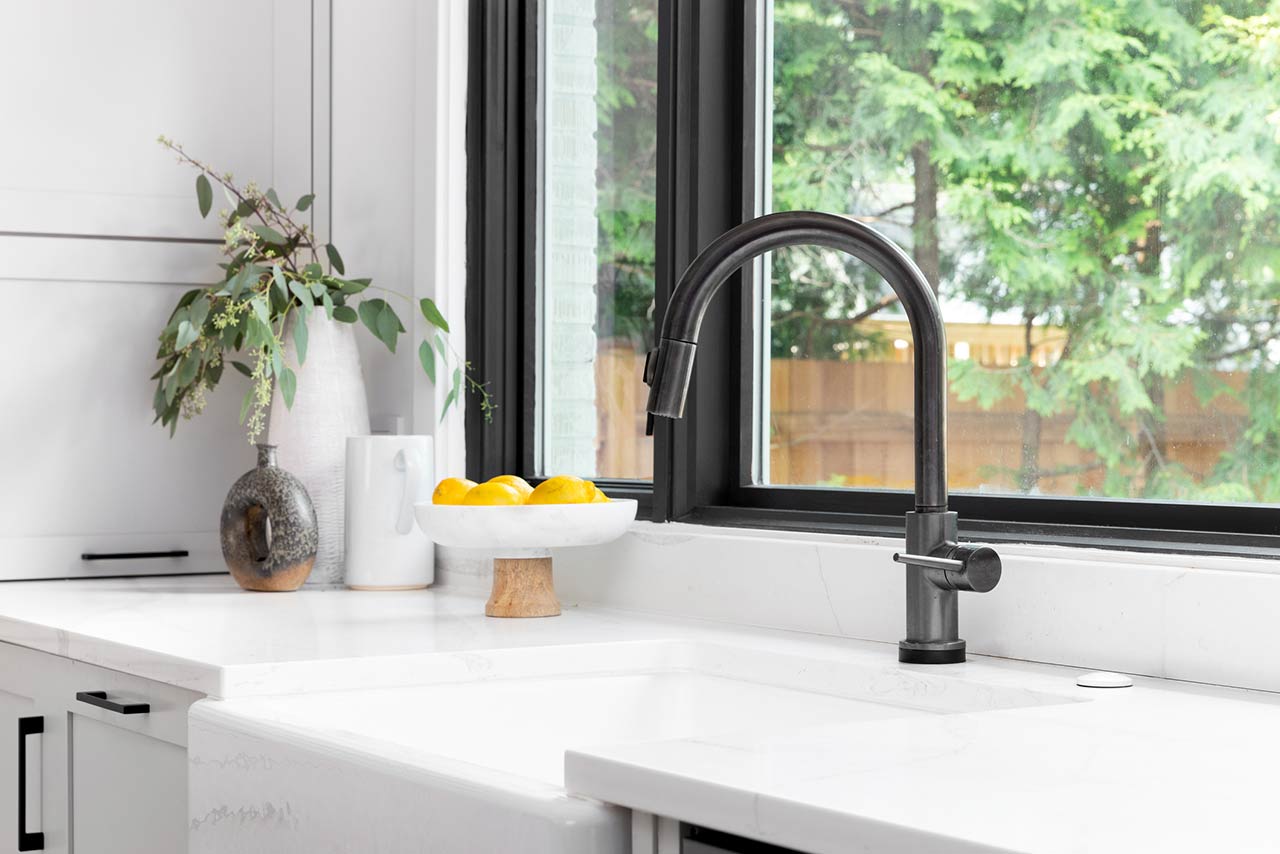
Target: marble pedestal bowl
{"type": "Point", "coordinates": [520, 540]}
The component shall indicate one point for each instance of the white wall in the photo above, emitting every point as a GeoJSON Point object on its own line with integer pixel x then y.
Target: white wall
{"type": "Point", "coordinates": [99, 234]}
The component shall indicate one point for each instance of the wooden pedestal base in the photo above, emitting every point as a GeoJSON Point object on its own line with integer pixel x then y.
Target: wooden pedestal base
{"type": "Point", "coordinates": [522, 587]}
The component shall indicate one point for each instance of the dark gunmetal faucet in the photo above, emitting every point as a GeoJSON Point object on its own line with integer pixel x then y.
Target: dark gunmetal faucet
{"type": "Point", "coordinates": [937, 567]}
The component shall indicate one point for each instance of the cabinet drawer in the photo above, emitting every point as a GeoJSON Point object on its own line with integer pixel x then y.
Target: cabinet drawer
{"type": "Point", "coordinates": [53, 682]}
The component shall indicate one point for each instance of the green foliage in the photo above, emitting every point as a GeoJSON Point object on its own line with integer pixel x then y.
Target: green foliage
{"type": "Point", "coordinates": [1111, 169]}
{"type": "Point", "coordinates": [626, 104]}
{"type": "Point", "coordinates": [272, 271]}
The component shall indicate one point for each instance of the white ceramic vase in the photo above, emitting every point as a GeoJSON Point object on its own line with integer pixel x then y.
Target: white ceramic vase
{"type": "Point", "coordinates": [311, 437]}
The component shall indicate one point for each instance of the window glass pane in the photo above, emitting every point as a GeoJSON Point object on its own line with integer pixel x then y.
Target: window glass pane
{"type": "Point", "coordinates": [1094, 187]}
{"type": "Point", "coordinates": [596, 238]}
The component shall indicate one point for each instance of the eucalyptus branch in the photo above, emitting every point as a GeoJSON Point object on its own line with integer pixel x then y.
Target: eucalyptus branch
{"type": "Point", "coordinates": [249, 310]}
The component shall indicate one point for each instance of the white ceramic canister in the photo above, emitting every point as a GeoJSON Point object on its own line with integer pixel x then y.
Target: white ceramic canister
{"type": "Point", "coordinates": [386, 476]}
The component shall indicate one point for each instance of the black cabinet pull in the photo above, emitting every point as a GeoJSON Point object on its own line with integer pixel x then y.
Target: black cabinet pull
{"type": "Point", "coordinates": [134, 555]}
{"type": "Point", "coordinates": [99, 699]}
{"type": "Point", "coordinates": [26, 841]}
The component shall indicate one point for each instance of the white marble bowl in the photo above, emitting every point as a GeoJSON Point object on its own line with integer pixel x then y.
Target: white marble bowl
{"type": "Point", "coordinates": [531, 528]}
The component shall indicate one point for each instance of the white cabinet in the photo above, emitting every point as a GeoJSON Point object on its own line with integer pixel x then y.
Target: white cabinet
{"type": "Point", "coordinates": [15, 710]}
{"type": "Point", "coordinates": [129, 791]}
{"type": "Point", "coordinates": [108, 772]}
{"type": "Point", "coordinates": [99, 237]}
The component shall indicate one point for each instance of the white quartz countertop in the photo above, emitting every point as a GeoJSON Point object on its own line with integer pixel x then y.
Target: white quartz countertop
{"type": "Point", "coordinates": [206, 634]}
{"type": "Point", "coordinates": [1148, 768]}
{"type": "Point", "coordinates": [1041, 766]}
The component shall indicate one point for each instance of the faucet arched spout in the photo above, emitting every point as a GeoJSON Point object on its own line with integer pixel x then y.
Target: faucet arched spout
{"type": "Point", "coordinates": [672, 368]}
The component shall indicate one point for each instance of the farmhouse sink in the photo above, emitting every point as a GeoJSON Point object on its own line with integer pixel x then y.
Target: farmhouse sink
{"type": "Point", "coordinates": [485, 735]}
{"type": "Point", "coordinates": [518, 711]}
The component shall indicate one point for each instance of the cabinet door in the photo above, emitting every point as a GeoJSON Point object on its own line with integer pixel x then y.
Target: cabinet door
{"type": "Point", "coordinates": [128, 791]}
{"type": "Point", "coordinates": [19, 780]}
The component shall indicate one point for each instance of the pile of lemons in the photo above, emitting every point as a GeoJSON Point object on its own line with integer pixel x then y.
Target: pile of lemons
{"type": "Point", "coordinates": [508, 490]}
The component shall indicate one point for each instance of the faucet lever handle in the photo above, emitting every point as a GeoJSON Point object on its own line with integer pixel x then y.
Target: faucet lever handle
{"type": "Point", "coordinates": [957, 567]}
{"type": "Point", "coordinates": [929, 561]}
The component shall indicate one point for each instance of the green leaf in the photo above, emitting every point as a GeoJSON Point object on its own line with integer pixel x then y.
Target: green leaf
{"type": "Point", "coordinates": [369, 311]}
{"type": "Point", "coordinates": [277, 361]}
{"type": "Point", "coordinates": [432, 313]}
{"type": "Point", "coordinates": [256, 332]}
{"type": "Point", "coordinates": [353, 286]}
{"type": "Point", "coordinates": [242, 368]}
{"type": "Point", "coordinates": [303, 295]}
{"type": "Point", "coordinates": [345, 314]}
{"type": "Point", "coordinates": [335, 259]}
{"type": "Point", "coordinates": [199, 312]}
{"type": "Point", "coordinates": [389, 326]}
{"type": "Point", "coordinates": [246, 403]}
{"type": "Point", "coordinates": [288, 387]}
{"type": "Point", "coordinates": [448, 401]}
{"type": "Point", "coordinates": [454, 390]}
{"type": "Point", "coordinates": [204, 194]}
{"type": "Point", "coordinates": [187, 335]}
{"type": "Point", "coordinates": [300, 338]}
{"type": "Point", "coordinates": [187, 298]}
{"type": "Point", "coordinates": [268, 234]}
{"type": "Point", "coordinates": [327, 302]}
{"type": "Point", "coordinates": [236, 284]}
{"type": "Point", "coordinates": [277, 279]}
{"type": "Point", "coordinates": [312, 271]}
{"type": "Point", "coordinates": [187, 369]}
{"type": "Point", "coordinates": [442, 348]}
{"type": "Point", "coordinates": [305, 201]}
{"type": "Point", "coordinates": [428, 358]}
{"type": "Point", "coordinates": [170, 387]}
{"type": "Point", "coordinates": [260, 308]}
{"type": "Point", "coordinates": [273, 198]}
{"type": "Point", "coordinates": [248, 274]}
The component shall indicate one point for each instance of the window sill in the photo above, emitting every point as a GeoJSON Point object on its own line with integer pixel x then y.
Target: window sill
{"type": "Point", "coordinates": [1165, 543]}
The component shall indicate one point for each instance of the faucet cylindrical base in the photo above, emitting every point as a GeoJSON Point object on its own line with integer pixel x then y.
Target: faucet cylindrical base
{"type": "Point", "coordinates": [931, 653]}
{"type": "Point", "coordinates": [933, 635]}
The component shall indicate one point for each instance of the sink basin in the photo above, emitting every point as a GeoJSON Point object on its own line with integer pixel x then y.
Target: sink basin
{"type": "Point", "coordinates": [485, 735]}
{"type": "Point", "coordinates": [634, 692]}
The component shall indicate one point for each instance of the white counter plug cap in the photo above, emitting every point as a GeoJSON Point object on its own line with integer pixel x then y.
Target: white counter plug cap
{"type": "Point", "coordinates": [1103, 679]}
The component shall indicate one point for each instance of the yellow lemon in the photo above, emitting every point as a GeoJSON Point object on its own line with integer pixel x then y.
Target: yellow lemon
{"type": "Point", "coordinates": [517, 483]}
{"type": "Point", "coordinates": [452, 490]}
{"type": "Point", "coordinates": [599, 497]}
{"type": "Point", "coordinates": [493, 495]}
{"type": "Point", "coordinates": [563, 489]}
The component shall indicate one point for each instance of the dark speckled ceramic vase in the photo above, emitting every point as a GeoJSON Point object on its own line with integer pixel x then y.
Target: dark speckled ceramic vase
{"type": "Point", "coordinates": [269, 531]}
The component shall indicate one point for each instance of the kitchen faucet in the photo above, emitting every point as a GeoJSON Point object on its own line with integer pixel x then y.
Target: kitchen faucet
{"type": "Point", "coordinates": [937, 567]}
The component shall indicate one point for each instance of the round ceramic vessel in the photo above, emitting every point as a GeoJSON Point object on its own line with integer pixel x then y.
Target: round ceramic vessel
{"type": "Point", "coordinates": [528, 530]}
{"type": "Point", "coordinates": [269, 532]}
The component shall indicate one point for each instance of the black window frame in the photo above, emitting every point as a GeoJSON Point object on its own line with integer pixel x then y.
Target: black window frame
{"type": "Point", "coordinates": [707, 184]}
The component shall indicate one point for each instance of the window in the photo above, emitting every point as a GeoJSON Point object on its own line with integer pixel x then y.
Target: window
{"type": "Point", "coordinates": [598, 157]}
{"type": "Point", "coordinates": [1095, 194]}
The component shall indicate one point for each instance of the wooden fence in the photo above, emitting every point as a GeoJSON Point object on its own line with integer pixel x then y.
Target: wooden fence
{"type": "Point", "coordinates": [851, 423]}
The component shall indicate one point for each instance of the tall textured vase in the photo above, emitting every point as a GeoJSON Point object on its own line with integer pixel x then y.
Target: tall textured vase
{"type": "Point", "coordinates": [329, 406]}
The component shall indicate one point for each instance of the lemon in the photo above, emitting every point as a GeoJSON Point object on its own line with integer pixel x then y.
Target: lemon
{"type": "Point", "coordinates": [599, 497]}
{"type": "Point", "coordinates": [493, 495]}
{"type": "Point", "coordinates": [517, 483]}
{"type": "Point", "coordinates": [451, 490]}
{"type": "Point", "coordinates": [563, 489]}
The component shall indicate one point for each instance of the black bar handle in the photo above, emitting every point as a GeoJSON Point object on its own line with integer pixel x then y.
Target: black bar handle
{"type": "Point", "coordinates": [134, 555]}
{"type": "Point", "coordinates": [26, 841]}
{"type": "Point", "coordinates": [99, 699]}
